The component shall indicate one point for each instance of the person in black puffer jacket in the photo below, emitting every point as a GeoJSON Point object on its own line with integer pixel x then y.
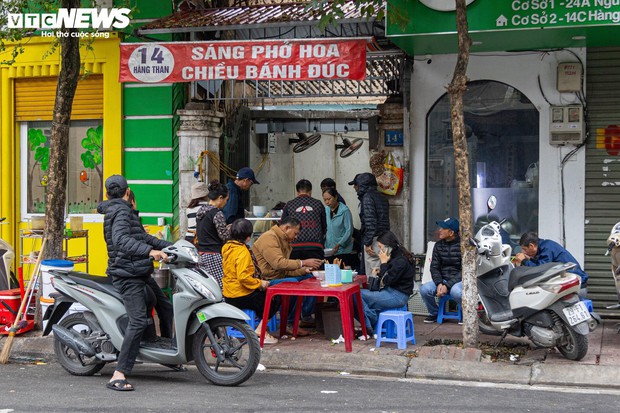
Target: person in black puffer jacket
{"type": "Point", "coordinates": [130, 250]}
{"type": "Point", "coordinates": [374, 216]}
{"type": "Point", "coordinates": [445, 268]}
{"type": "Point", "coordinates": [396, 272]}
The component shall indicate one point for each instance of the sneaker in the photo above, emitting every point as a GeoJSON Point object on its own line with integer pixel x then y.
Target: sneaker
{"type": "Point", "coordinates": [460, 323]}
{"type": "Point", "coordinates": [430, 319]}
{"type": "Point", "coordinates": [269, 339]}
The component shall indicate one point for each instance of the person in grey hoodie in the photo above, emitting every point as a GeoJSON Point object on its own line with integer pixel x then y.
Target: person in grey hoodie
{"type": "Point", "coordinates": [131, 252]}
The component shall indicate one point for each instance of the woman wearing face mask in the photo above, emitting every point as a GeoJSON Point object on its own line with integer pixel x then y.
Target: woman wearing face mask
{"type": "Point", "coordinates": [339, 236]}
{"type": "Point", "coordinates": [396, 273]}
{"type": "Point", "coordinates": [212, 231]}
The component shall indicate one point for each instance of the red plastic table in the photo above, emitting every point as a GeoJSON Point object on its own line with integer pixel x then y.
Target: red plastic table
{"type": "Point", "coordinates": [312, 288]}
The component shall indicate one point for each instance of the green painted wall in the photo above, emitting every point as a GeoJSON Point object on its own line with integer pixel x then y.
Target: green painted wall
{"type": "Point", "coordinates": [150, 122]}
{"type": "Point", "coordinates": [151, 133]}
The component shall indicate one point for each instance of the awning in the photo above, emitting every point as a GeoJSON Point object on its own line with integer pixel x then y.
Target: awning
{"type": "Point", "coordinates": [385, 63]}
{"type": "Point", "coordinates": [251, 17]}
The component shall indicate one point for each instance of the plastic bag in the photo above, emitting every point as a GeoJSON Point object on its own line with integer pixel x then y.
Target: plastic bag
{"type": "Point", "coordinates": [390, 182]}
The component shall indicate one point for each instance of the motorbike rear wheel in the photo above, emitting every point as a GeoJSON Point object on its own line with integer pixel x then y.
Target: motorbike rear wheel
{"type": "Point", "coordinates": [240, 349]}
{"type": "Point", "coordinates": [574, 346]}
{"type": "Point", "coordinates": [74, 363]}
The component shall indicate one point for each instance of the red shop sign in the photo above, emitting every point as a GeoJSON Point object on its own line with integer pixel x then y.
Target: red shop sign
{"type": "Point", "coordinates": [238, 60]}
{"type": "Point", "coordinates": [612, 140]}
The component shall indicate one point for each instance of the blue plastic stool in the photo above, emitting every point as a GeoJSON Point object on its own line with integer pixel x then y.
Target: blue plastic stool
{"type": "Point", "coordinates": [253, 322]}
{"type": "Point", "coordinates": [403, 321]}
{"type": "Point", "coordinates": [448, 315]}
{"type": "Point", "coordinates": [588, 304]}
{"type": "Point", "coordinates": [390, 328]}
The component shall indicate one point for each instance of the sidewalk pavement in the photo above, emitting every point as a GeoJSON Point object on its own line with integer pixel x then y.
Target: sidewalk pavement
{"type": "Point", "coordinates": [599, 369]}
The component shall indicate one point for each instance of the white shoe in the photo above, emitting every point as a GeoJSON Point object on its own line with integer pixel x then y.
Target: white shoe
{"type": "Point", "coordinates": [269, 339]}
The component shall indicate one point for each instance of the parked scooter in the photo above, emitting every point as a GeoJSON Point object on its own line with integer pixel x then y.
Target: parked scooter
{"type": "Point", "coordinates": [212, 333]}
{"type": "Point", "coordinates": [540, 302]}
{"type": "Point", "coordinates": [613, 246]}
{"type": "Point", "coordinates": [7, 278]}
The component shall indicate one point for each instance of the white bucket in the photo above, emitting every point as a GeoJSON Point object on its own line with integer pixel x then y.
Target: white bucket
{"type": "Point", "coordinates": [45, 304]}
{"type": "Point", "coordinates": [46, 277]}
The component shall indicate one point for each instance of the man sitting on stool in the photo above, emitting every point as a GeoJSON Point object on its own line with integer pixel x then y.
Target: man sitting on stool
{"type": "Point", "coordinates": [445, 268]}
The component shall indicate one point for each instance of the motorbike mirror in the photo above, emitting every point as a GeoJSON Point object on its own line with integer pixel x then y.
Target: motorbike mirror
{"type": "Point", "coordinates": [491, 203]}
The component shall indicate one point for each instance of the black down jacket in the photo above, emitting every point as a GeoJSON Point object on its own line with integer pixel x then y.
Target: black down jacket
{"type": "Point", "coordinates": [128, 244]}
{"type": "Point", "coordinates": [374, 208]}
{"type": "Point", "coordinates": [446, 262]}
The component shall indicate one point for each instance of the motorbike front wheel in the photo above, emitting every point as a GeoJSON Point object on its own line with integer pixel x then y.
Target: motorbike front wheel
{"type": "Point", "coordinates": [74, 363]}
{"type": "Point", "coordinates": [239, 347]}
{"type": "Point", "coordinates": [574, 346]}
{"type": "Point", "coordinates": [484, 325]}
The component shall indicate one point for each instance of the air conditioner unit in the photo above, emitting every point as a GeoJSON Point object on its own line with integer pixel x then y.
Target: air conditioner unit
{"type": "Point", "coordinates": [566, 125]}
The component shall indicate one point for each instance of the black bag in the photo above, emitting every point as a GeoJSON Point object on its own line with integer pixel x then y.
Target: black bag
{"type": "Point", "coordinates": [374, 283]}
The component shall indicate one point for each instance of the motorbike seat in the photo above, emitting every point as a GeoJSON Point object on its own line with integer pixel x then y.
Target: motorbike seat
{"type": "Point", "coordinates": [521, 275]}
{"type": "Point", "coordinates": [103, 284]}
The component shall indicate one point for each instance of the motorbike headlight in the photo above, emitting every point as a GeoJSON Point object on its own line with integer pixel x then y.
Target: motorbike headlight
{"type": "Point", "coordinates": [201, 289]}
{"type": "Point", "coordinates": [193, 253]}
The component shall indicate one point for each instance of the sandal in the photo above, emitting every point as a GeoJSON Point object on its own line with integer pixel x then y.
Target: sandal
{"type": "Point", "coordinates": [120, 385]}
{"type": "Point", "coordinates": [269, 339]}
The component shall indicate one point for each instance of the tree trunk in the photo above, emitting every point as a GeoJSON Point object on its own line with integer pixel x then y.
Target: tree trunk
{"type": "Point", "coordinates": [59, 142]}
{"type": "Point", "coordinates": [456, 90]}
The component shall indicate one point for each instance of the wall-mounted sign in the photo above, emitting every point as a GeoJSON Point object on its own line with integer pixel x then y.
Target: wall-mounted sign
{"type": "Point", "coordinates": [609, 139]}
{"type": "Point", "coordinates": [485, 15]}
{"type": "Point", "coordinates": [394, 138]}
{"type": "Point", "coordinates": [238, 60]}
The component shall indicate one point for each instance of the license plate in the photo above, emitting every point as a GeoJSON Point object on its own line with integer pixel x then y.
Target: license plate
{"type": "Point", "coordinates": [577, 313]}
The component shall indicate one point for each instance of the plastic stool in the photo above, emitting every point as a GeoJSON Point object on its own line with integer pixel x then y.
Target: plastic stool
{"type": "Point", "coordinates": [588, 304]}
{"type": "Point", "coordinates": [448, 315]}
{"type": "Point", "coordinates": [390, 328]}
{"type": "Point", "coordinates": [253, 322]}
{"type": "Point", "coordinates": [403, 320]}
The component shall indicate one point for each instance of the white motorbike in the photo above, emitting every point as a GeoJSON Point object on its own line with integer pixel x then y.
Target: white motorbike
{"type": "Point", "coordinates": [613, 247]}
{"type": "Point", "coordinates": [212, 333]}
{"type": "Point", "coordinates": [540, 302]}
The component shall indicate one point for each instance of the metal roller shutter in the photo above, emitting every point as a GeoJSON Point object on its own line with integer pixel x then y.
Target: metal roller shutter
{"type": "Point", "coordinates": [34, 98]}
{"type": "Point", "coordinates": [602, 172]}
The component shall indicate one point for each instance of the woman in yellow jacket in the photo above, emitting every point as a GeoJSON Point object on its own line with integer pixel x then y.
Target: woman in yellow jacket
{"type": "Point", "coordinates": [242, 286]}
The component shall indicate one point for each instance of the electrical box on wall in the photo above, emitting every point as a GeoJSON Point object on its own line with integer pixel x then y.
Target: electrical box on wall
{"type": "Point", "coordinates": [266, 143]}
{"type": "Point", "coordinates": [567, 126]}
{"type": "Point", "coordinates": [569, 77]}
{"type": "Point", "coordinates": [271, 143]}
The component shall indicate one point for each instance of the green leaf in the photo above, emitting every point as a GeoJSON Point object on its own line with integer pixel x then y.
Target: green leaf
{"type": "Point", "coordinates": [35, 138]}
{"type": "Point", "coordinates": [87, 160]}
{"type": "Point", "coordinates": [42, 154]}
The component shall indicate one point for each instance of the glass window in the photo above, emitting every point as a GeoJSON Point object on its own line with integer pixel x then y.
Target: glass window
{"type": "Point", "coordinates": [84, 166]}
{"type": "Point", "coordinates": [502, 133]}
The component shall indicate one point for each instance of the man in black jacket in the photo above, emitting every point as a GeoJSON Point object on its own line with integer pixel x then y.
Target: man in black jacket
{"type": "Point", "coordinates": [374, 216]}
{"type": "Point", "coordinates": [445, 268]}
{"type": "Point", "coordinates": [130, 254]}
